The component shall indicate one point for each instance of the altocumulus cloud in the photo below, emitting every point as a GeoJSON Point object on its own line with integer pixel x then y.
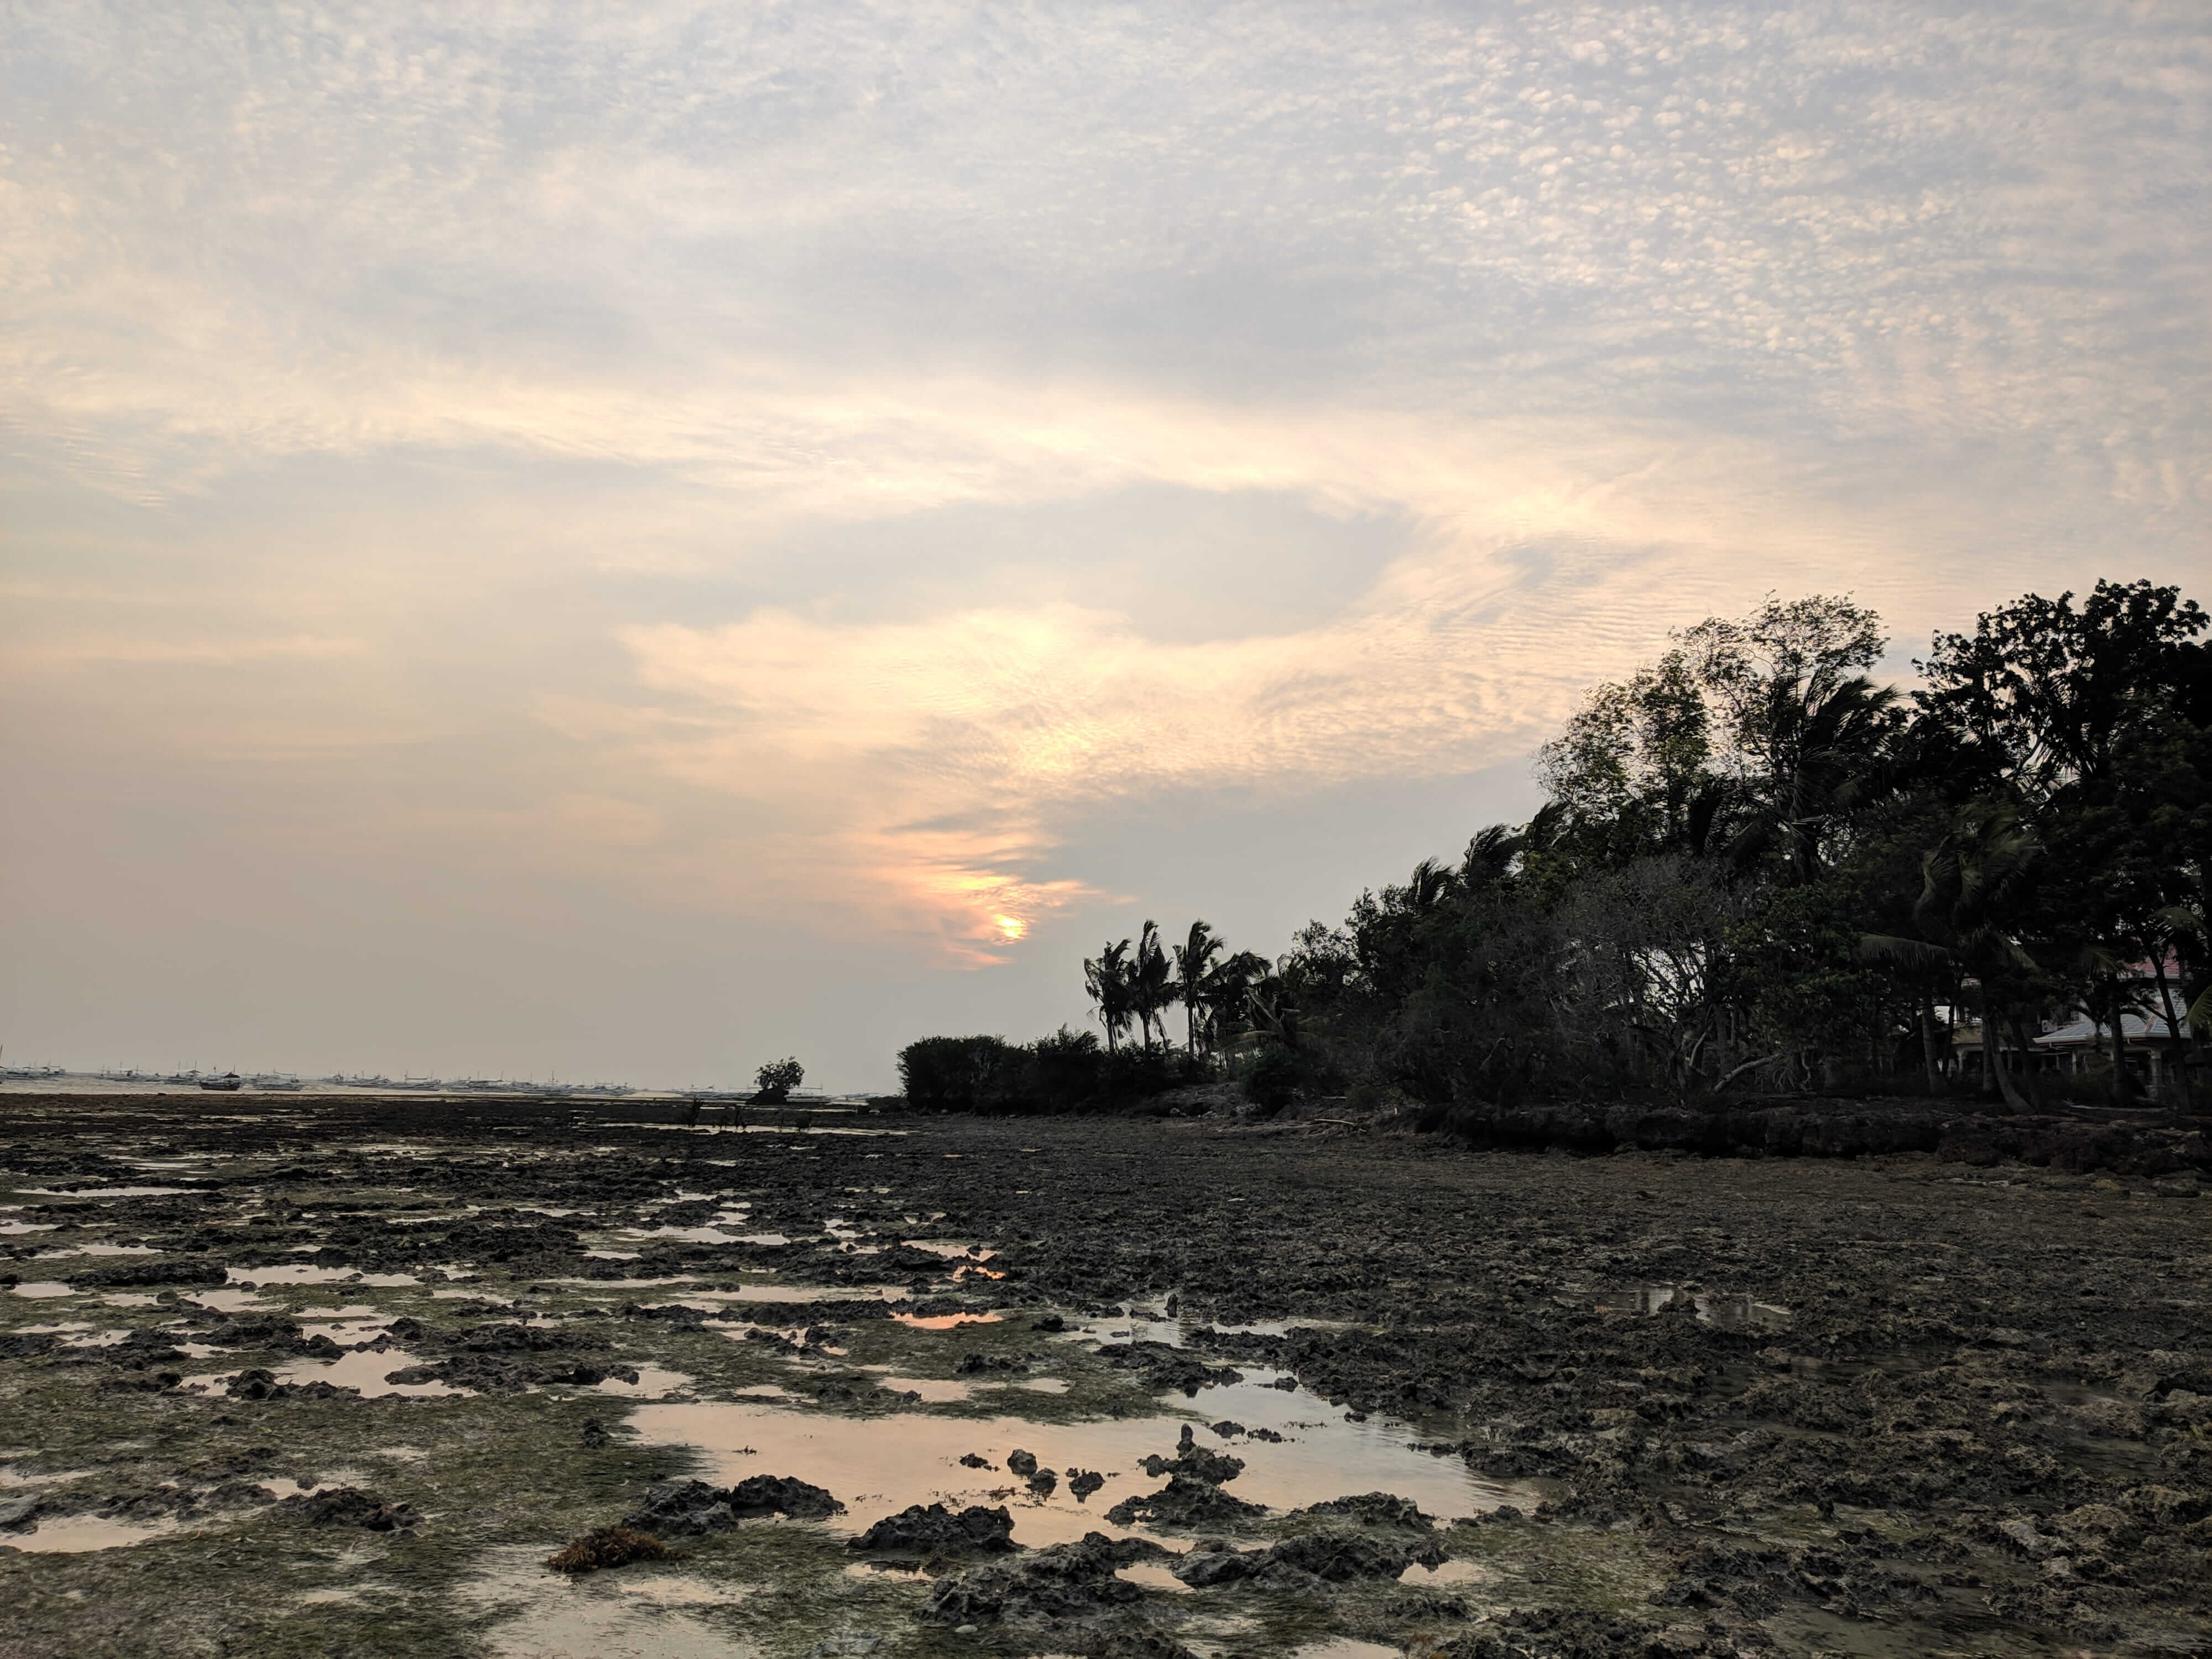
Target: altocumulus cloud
{"type": "Point", "coordinates": [529, 335]}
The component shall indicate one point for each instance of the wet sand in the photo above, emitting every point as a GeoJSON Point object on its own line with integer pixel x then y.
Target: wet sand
{"type": "Point", "coordinates": [1641, 1403]}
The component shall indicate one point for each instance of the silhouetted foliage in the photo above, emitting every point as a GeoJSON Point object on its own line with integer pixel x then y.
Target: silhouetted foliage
{"type": "Point", "coordinates": [1756, 868]}
{"type": "Point", "coordinates": [776, 1079]}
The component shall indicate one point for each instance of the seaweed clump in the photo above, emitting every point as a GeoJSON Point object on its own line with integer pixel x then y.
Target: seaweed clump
{"type": "Point", "coordinates": [610, 1546]}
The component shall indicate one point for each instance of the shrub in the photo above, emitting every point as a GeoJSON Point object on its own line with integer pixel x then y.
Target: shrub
{"type": "Point", "coordinates": [1271, 1076]}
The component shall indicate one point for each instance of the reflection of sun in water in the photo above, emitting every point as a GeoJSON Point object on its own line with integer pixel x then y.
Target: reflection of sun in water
{"type": "Point", "coordinates": [1010, 927]}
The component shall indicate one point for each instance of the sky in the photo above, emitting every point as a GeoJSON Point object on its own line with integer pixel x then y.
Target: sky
{"type": "Point", "coordinates": [629, 540]}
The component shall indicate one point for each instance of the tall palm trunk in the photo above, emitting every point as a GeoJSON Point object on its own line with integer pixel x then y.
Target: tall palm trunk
{"type": "Point", "coordinates": [1993, 1058]}
{"type": "Point", "coordinates": [2124, 1085]}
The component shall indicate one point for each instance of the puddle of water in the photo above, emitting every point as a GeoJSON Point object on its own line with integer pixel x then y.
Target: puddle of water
{"type": "Point", "coordinates": [351, 1310]}
{"type": "Point", "coordinates": [97, 1250]}
{"type": "Point", "coordinates": [364, 1371]}
{"type": "Point", "coordinates": [588, 1617]}
{"type": "Point", "coordinates": [291, 1273]}
{"type": "Point", "coordinates": [1152, 1575]}
{"type": "Point", "coordinates": [347, 1332]}
{"type": "Point", "coordinates": [44, 1289]}
{"type": "Point", "coordinates": [1446, 1572]}
{"type": "Point", "coordinates": [1736, 1312]}
{"type": "Point", "coordinates": [804, 1293]}
{"type": "Point", "coordinates": [27, 1227]}
{"type": "Point", "coordinates": [934, 1391]}
{"type": "Point", "coordinates": [668, 1588]}
{"type": "Point", "coordinates": [652, 1383]}
{"type": "Point", "coordinates": [1344, 1647]}
{"type": "Point", "coordinates": [10, 1478]}
{"type": "Point", "coordinates": [74, 1534]}
{"type": "Point", "coordinates": [879, 1466]}
{"type": "Point", "coordinates": [104, 1192]}
{"type": "Point", "coordinates": [1041, 1384]}
{"type": "Point", "coordinates": [945, 1321]}
{"type": "Point", "coordinates": [128, 1299]}
{"type": "Point", "coordinates": [226, 1301]}
{"type": "Point", "coordinates": [946, 1247]}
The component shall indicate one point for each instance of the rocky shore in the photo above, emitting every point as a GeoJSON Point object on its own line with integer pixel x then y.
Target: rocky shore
{"type": "Point", "coordinates": [341, 1379]}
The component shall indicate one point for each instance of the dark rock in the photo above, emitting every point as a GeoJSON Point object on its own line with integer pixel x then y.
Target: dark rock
{"type": "Point", "coordinates": [1184, 1501]}
{"type": "Point", "coordinates": [155, 1270]}
{"type": "Point", "coordinates": [934, 1530]}
{"type": "Point", "coordinates": [1376, 1508]}
{"type": "Point", "coordinates": [976, 1364]}
{"type": "Point", "coordinates": [682, 1509]}
{"type": "Point", "coordinates": [778, 1494]}
{"type": "Point", "coordinates": [1063, 1581]}
{"type": "Point", "coordinates": [1201, 1462]}
{"type": "Point", "coordinates": [1341, 1557]}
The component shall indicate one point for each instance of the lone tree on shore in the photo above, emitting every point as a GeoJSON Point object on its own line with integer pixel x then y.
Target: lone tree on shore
{"type": "Point", "coordinates": [777, 1079]}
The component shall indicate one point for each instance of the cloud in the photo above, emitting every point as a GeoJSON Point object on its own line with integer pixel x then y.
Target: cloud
{"type": "Point", "coordinates": [400, 405]}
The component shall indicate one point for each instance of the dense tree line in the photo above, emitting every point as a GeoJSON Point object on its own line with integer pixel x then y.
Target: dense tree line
{"type": "Point", "coordinates": [1756, 868]}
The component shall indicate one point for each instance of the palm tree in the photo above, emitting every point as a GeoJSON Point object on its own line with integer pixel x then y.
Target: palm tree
{"type": "Point", "coordinates": [1194, 961]}
{"type": "Point", "coordinates": [1152, 984]}
{"type": "Point", "coordinates": [1107, 977]}
{"type": "Point", "coordinates": [1824, 751]}
{"type": "Point", "coordinates": [1971, 881]}
{"type": "Point", "coordinates": [1230, 990]}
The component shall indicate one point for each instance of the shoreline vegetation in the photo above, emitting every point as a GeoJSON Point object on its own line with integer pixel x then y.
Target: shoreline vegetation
{"type": "Point", "coordinates": [1758, 876]}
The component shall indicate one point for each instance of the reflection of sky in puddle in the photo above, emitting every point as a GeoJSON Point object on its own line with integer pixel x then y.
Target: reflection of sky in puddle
{"type": "Point", "coordinates": [1152, 1575]}
{"type": "Point", "coordinates": [74, 1535]}
{"type": "Point", "coordinates": [43, 1289]}
{"type": "Point", "coordinates": [28, 1226]}
{"type": "Point", "coordinates": [104, 1192]}
{"type": "Point", "coordinates": [1445, 1572]}
{"type": "Point", "coordinates": [699, 1235]}
{"type": "Point", "coordinates": [933, 1390]}
{"type": "Point", "coordinates": [652, 1383]}
{"type": "Point", "coordinates": [877, 1466]}
{"type": "Point", "coordinates": [829, 1295]}
{"type": "Point", "coordinates": [1344, 1647]}
{"type": "Point", "coordinates": [598, 1615]}
{"type": "Point", "coordinates": [9, 1477]}
{"type": "Point", "coordinates": [945, 1321]}
{"type": "Point", "coordinates": [1736, 1312]}
{"type": "Point", "coordinates": [365, 1371]}
{"type": "Point", "coordinates": [225, 1301]}
{"type": "Point", "coordinates": [96, 1249]}
{"type": "Point", "coordinates": [299, 1273]}
{"type": "Point", "coordinates": [346, 1332]}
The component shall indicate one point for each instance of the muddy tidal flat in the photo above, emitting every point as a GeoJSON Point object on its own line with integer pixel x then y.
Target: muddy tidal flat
{"type": "Point", "coordinates": [340, 1376]}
